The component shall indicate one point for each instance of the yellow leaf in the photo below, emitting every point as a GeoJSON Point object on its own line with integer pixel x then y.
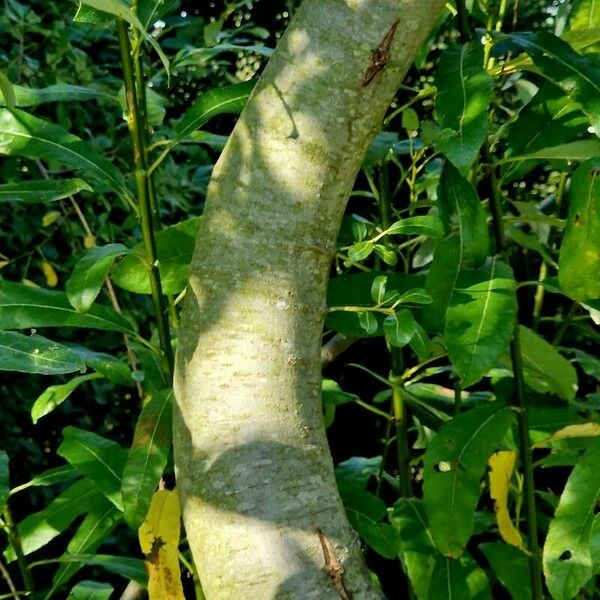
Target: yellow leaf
{"type": "Point", "coordinates": [578, 430]}
{"type": "Point", "coordinates": [50, 217]}
{"type": "Point", "coordinates": [502, 465]}
{"type": "Point", "coordinates": [571, 431]}
{"type": "Point", "coordinates": [159, 538]}
{"type": "Point", "coordinates": [50, 273]}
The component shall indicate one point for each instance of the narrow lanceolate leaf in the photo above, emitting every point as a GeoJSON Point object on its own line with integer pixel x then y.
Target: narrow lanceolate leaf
{"type": "Point", "coordinates": [60, 92]}
{"type": "Point", "coordinates": [548, 121]}
{"type": "Point", "coordinates": [49, 477]}
{"type": "Point", "coordinates": [36, 354]}
{"type": "Point", "coordinates": [91, 590]}
{"type": "Point", "coordinates": [55, 395]}
{"type": "Point", "coordinates": [159, 538]}
{"type": "Point", "coordinates": [121, 11]}
{"type": "Point", "coordinates": [462, 211]}
{"type": "Point", "coordinates": [174, 246]}
{"type": "Point", "coordinates": [39, 528]}
{"type": "Point", "coordinates": [417, 548]}
{"type": "Point", "coordinates": [578, 76]}
{"type": "Point", "coordinates": [8, 91]}
{"type": "Point", "coordinates": [89, 274]}
{"type": "Point", "coordinates": [458, 579]}
{"type": "Point", "coordinates": [41, 192]}
{"type": "Point", "coordinates": [428, 225]}
{"type": "Point", "coordinates": [4, 482]}
{"type": "Point", "coordinates": [108, 365]}
{"type": "Point", "coordinates": [464, 90]}
{"type": "Point", "coordinates": [441, 281]}
{"type": "Point", "coordinates": [585, 14]}
{"type": "Point", "coordinates": [510, 567]}
{"type": "Point", "coordinates": [100, 460]}
{"type": "Point", "coordinates": [129, 568]}
{"type": "Point", "coordinates": [545, 369]}
{"type": "Point", "coordinates": [22, 134]}
{"type": "Point", "coordinates": [227, 100]}
{"type": "Point", "coordinates": [147, 457]}
{"type": "Point", "coordinates": [502, 465]}
{"type": "Point", "coordinates": [23, 307]}
{"type": "Point", "coordinates": [89, 535]}
{"type": "Point", "coordinates": [567, 552]}
{"type": "Point", "coordinates": [454, 463]}
{"type": "Point", "coordinates": [479, 319]}
{"type": "Point", "coordinates": [579, 261]}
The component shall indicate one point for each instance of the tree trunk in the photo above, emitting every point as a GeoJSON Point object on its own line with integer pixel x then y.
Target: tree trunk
{"type": "Point", "coordinates": [253, 465]}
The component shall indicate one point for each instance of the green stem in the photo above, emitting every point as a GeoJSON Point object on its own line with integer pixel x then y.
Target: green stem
{"type": "Point", "coordinates": [462, 21]}
{"type": "Point", "coordinates": [396, 381]}
{"type": "Point", "coordinates": [143, 185]}
{"type": "Point", "coordinates": [15, 541]}
{"type": "Point", "coordinates": [519, 402]}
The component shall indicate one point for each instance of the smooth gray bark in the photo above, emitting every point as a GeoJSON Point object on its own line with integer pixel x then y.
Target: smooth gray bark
{"type": "Point", "coordinates": [253, 465]}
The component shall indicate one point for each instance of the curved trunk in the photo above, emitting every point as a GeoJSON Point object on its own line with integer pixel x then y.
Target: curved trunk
{"type": "Point", "coordinates": [253, 465]}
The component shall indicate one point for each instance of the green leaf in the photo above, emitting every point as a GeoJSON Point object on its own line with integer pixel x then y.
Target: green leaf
{"type": "Point", "coordinates": [36, 354]}
{"type": "Point", "coordinates": [464, 91]}
{"type": "Point", "coordinates": [367, 321]}
{"type": "Point", "coordinates": [4, 481]}
{"type": "Point", "coordinates": [360, 251]}
{"type": "Point", "coordinates": [59, 92]}
{"type": "Point", "coordinates": [399, 328]}
{"type": "Point", "coordinates": [461, 209]}
{"type": "Point", "coordinates": [126, 567]}
{"type": "Point", "coordinates": [89, 274]}
{"type": "Point", "coordinates": [415, 296]}
{"type": "Point", "coordinates": [410, 119]}
{"type": "Point", "coordinates": [23, 306]}
{"type": "Point", "coordinates": [458, 579]}
{"type": "Point", "coordinates": [110, 366]}
{"type": "Point", "coordinates": [584, 15]}
{"type": "Point", "coordinates": [578, 151]}
{"type": "Point", "coordinates": [567, 551]}
{"type": "Point", "coordinates": [590, 364]}
{"type": "Point", "coordinates": [174, 246]}
{"type": "Point", "coordinates": [100, 460]}
{"type": "Point", "coordinates": [89, 535]}
{"type": "Point", "coordinates": [122, 11]}
{"type": "Point", "coordinates": [227, 100]}
{"type": "Point", "coordinates": [545, 369]}
{"type": "Point", "coordinates": [41, 192]}
{"type": "Point", "coordinates": [578, 76]}
{"type": "Point", "coordinates": [417, 549]}
{"type": "Point", "coordinates": [441, 282]}
{"type": "Point", "coordinates": [356, 471]}
{"type": "Point", "coordinates": [454, 462]}
{"type": "Point", "coordinates": [49, 477]}
{"type": "Point", "coordinates": [37, 529]}
{"type": "Point", "coordinates": [355, 290]}
{"type": "Point", "coordinates": [428, 225]}
{"type": "Point", "coordinates": [579, 261]}
{"type": "Point", "coordinates": [333, 394]}
{"type": "Point", "coordinates": [55, 395]}
{"type": "Point", "coordinates": [22, 134]}
{"type": "Point", "coordinates": [378, 289]}
{"type": "Point", "coordinates": [511, 567]}
{"type": "Point", "coordinates": [549, 120]}
{"type": "Point", "coordinates": [147, 457]}
{"type": "Point", "coordinates": [480, 319]}
{"type": "Point", "coordinates": [8, 91]}
{"type": "Point", "coordinates": [91, 590]}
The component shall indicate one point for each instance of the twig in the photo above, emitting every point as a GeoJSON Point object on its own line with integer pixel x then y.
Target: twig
{"type": "Point", "coordinates": [9, 581]}
{"type": "Point", "coordinates": [333, 566]}
{"type": "Point", "coordinates": [334, 347]}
